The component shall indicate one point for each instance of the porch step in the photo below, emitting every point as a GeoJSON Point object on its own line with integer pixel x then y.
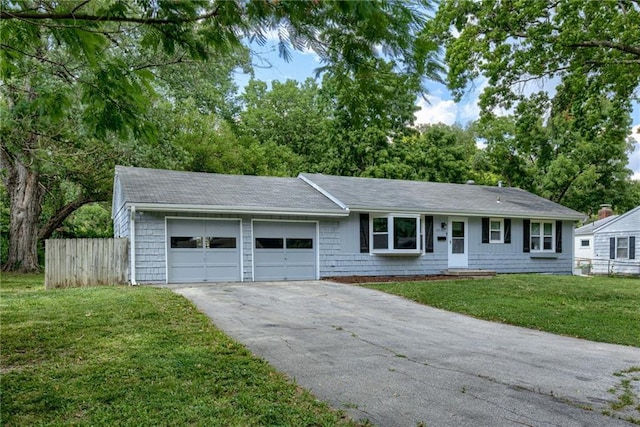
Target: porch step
{"type": "Point", "coordinates": [465, 272]}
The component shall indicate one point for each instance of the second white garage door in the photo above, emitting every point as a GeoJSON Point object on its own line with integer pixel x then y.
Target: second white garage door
{"type": "Point", "coordinates": [284, 250]}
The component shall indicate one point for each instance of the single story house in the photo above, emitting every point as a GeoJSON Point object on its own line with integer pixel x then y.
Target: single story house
{"type": "Point", "coordinates": [584, 251]}
{"type": "Point", "coordinates": [614, 244]}
{"type": "Point", "coordinates": [200, 227]}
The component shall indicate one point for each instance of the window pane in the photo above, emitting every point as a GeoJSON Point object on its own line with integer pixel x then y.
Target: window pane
{"type": "Point", "coordinates": [405, 233]}
{"type": "Point", "coordinates": [495, 225]}
{"type": "Point", "coordinates": [548, 243]}
{"type": "Point", "coordinates": [457, 229]}
{"type": "Point", "coordinates": [222, 242]}
{"type": "Point", "coordinates": [622, 246]}
{"type": "Point", "coordinates": [299, 243]}
{"type": "Point", "coordinates": [380, 225]}
{"type": "Point", "coordinates": [535, 243]}
{"type": "Point", "coordinates": [381, 241]}
{"type": "Point", "coordinates": [269, 243]}
{"type": "Point", "coordinates": [186, 242]}
{"type": "Point", "coordinates": [535, 228]}
{"type": "Point", "coordinates": [548, 229]}
{"type": "Point", "coordinates": [584, 243]}
{"type": "Point", "coordinates": [457, 246]}
{"type": "Point", "coordinates": [495, 235]}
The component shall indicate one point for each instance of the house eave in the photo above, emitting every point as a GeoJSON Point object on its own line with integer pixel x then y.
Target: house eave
{"type": "Point", "coordinates": [428, 211]}
{"type": "Point", "coordinates": [239, 210]}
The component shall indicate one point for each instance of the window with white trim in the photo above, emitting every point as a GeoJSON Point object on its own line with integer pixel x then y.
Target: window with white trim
{"type": "Point", "coordinates": [496, 230]}
{"type": "Point", "coordinates": [542, 236]}
{"type": "Point", "coordinates": [622, 247]}
{"type": "Point", "coordinates": [395, 234]}
{"type": "Point", "coordinates": [585, 243]}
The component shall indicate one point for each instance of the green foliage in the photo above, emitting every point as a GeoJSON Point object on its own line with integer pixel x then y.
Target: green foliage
{"type": "Point", "coordinates": [595, 308]}
{"type": "Point", "coordinates": [81, 81]}
{"type": "Point", "coordinates": [578, 157]}
{"type": "Point", "coordinates": [511, 43]}
{"type": "Point", "coordinates": [133, 356]}
{"type": "Point", "coordinates": [89, 221]}
{"type": "Point", "coordinates": [438, 153]}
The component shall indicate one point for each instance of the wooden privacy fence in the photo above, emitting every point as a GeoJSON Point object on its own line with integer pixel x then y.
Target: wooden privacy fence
{"type": "Point", "coordinates": [85, 262]}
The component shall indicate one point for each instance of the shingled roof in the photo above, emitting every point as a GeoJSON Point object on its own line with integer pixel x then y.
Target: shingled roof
{"type": "Point", "coordinates": [372, 194]}
{"type": "Point", "coordinates": [326, 195]}
{"type": "Point", "coordinates": [155, 188]}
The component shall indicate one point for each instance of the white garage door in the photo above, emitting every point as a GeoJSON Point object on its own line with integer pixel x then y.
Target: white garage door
{"type": "Point", "coordinates": [203, 250]}
{"type": "Point", "coordinates": [284, 250]}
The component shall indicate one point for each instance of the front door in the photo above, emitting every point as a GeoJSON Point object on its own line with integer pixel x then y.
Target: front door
{"type": "Point", "coordinates": [458, 242]}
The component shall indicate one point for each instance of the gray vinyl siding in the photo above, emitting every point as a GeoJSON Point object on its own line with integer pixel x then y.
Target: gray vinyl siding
{"type": "Point", "coordinates": [120, 213]}
{"type": "Point", "coordinates": [624, 226]}
{"type": "Point", "coordinates": [339, 249]}
{"type": "Point", "coordinates": [502, 258]}
{"type": "Point", "coordinates": [510, 258]}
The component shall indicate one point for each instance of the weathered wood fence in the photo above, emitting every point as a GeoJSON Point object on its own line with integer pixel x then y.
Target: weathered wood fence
{"type": "Point", "coordinates": [85, 262]}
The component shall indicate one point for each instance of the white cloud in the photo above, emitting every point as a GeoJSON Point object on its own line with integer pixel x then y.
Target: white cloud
{"type": "Point", "coordinates": [436, 110]}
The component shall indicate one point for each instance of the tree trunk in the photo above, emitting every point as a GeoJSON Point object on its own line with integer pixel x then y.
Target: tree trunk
{"type": "Point", "coordinates": [25, 197]}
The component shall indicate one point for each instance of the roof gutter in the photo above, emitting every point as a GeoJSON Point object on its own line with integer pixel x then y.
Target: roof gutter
{"type": "Point", "coordinates": [469, 214]}
{"type": "Point", "coordinates": [158, 207]}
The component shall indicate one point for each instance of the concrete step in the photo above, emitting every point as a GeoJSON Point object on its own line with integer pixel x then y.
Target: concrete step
{"type": "Point", "coordinates": [467, 272]}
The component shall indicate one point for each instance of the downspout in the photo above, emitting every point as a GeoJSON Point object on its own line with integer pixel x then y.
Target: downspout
{"type": "Point", "coordinates": [132, 238]}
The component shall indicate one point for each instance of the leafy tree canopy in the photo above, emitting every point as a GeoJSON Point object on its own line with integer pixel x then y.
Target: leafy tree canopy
{"type": "Point", "coordinates": [512, 43]}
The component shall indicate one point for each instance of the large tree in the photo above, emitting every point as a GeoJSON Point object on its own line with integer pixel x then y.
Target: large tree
{"type": "Point", "coordinates": [82, 72]}
{"type": "Point", "coordinates": [512, 43]}
{"type": "Point", "coordinates": [567, 72]}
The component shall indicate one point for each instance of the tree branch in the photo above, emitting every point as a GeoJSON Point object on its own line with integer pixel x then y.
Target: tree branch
{"type": "Point", "coordinates": [58, 218]}
{"type": "Point", "coordinates": [5, 14]}
{"type": "Point", "coordinates": [633, 50]}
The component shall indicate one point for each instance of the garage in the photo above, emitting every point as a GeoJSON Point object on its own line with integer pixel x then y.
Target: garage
{"type": "Point", "coordinates": [284, 250]}
{"type": "Point", "coordinates": [202, 250]}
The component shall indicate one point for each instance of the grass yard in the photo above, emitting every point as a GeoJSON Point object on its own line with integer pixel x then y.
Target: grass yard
{"type": "Point", "coordinates": [605, 309]}
{"type": "Point", "coordinates": [134, 356]}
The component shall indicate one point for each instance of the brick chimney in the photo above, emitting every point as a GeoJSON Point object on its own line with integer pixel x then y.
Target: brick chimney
{"type": "Point", "coordinates": [605, 211]}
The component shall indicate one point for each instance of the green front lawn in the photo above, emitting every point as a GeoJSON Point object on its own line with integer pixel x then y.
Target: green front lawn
{"type": "Point", "coordinates": [135, 356]}
{"type": "Point", "coordinates": [605, 309]}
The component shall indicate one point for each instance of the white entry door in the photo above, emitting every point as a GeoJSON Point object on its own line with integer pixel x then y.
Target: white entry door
{"type": "Point", "coordinates": [458, 242]}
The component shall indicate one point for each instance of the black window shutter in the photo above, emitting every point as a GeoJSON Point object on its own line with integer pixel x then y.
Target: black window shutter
{"type": "Point", "coordinates": [364, 233]}
{"type": "Point", "coordinates": [612, 248]}
{"type": "Point", "coordinates": [558, 237]}
{"type": "Point", "coordinates": [526, 235]}
{"type": "Point", "coordinates": [632, 247]}
{"type": "Point", "coordinates": [507, 230]}
{"type": "Point", "coordinates": [428, 231]}
{"type": "Point", "coordinates": [485, 230]}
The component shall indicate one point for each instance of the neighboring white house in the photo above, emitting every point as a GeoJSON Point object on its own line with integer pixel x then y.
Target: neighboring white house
{"type": "Point", "coordinates": [612, 245]}
{"type": "Point", "coordinates": [584, 251]}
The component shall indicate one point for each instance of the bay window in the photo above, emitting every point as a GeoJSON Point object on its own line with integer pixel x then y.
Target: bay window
{"type": "Point", "coordinates": [395, 234]}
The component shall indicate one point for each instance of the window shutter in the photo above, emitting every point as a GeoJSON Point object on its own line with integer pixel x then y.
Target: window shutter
{"type": "Point", "coordinates": [364, 233]}
{"type": "Point", "coordinates": [632, 247]}
{"type": "Point", "coordinates": [485, 230]}
{"type": "Point", "coordinates": [428, 231]}
{"type": "Point", "coordinates": [526, 235]}
{"type": "Point", "coordinates": [558, 237]}
{"type": "Point", "coordinates": [507, 230]}
{"type": "Point", "coordinates": [612, 248]}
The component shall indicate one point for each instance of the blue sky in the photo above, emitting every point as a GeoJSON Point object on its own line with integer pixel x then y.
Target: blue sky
{"type": "Point", "coordinates": [441, 108]}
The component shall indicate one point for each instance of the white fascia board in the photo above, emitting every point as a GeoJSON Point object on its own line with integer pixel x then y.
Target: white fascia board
{"type": "Point", "coordinates": [240, 210]}
{"type": "Point", "coordinates": [323, 192]}
{"type": "Point", "coordinates": [467, 214]}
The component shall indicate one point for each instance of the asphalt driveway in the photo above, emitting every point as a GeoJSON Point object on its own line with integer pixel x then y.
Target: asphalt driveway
{"type": "Point", "coordinates": [397, 363]}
